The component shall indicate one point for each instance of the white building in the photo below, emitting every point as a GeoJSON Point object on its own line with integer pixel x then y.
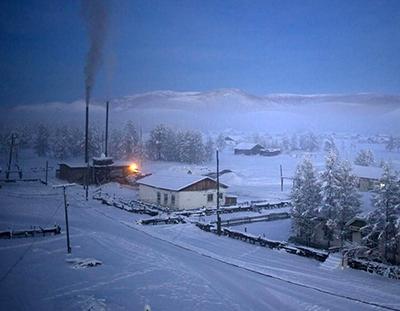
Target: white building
{"type": "Point", "coordinates": [183, 191]}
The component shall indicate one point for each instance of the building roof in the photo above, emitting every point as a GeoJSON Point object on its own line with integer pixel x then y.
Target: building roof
{"type": "Point", "coordinates": [247, 146]}
{"type": "Point", "coordinates": [368, 172]}
{"type": "Point", "coordinates": [174, 182]}
{"type": "Point", "coordinates": [82, 164]}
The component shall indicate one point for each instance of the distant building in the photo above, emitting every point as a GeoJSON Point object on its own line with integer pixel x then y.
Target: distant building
{"type": "Point", "coordinates": [184, 191]}
{"type": "Point", "coordinates": [248, 149]}
{"type": "Point", "coordinates": [367, 176]}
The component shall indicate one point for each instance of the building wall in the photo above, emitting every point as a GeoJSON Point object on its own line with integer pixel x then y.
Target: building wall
{"type": "Point", "coordinates": [198, 199]}
{"type": "Point", "coordinates": [365, 184]}
{"type": "Point", "coordinates": [183, 199]}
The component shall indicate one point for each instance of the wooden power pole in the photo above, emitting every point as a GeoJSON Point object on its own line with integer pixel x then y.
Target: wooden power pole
{"type": "Point", "coordinates": [65, 186]}
{"type": "Point", "coordinates": [218, 215]}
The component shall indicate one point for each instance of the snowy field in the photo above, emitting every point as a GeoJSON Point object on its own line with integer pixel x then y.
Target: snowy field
{"type": "Point", "coordinates": [170, 267]}
{"type": "Point", "coordinates": [173, 267]}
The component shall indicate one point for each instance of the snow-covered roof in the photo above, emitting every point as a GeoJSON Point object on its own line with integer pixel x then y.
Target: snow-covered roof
{"type": "Point", "coordinates": [369, 172]}
{"type": "Point", "coordinates": [272, 149]}
{"type": "Point", "coordinates": [174, 182]}
{"type": "Point", "coordinates": [247, 146]}
{"type": "Point", "coordinates": [82, 164]}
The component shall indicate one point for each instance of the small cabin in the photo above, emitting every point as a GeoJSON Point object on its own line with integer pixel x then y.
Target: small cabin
{"type": "Point", "coordinates": [354, 226]}
{"type": "Point", "coordinates": [248, 149]}
{"type": "Point", "coordinates": [100, 170]}
{"type": "Point", "coordinates": [367, 176]}
{"type": "Point", "coordinates": [181, 191]}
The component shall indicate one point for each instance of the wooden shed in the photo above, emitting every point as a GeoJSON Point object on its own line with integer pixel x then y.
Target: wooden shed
{"type": "Point", "coordinates": [248, 149]}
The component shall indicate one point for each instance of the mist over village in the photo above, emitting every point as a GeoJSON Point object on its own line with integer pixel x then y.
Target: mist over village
{"type": "Point", "coordinates": [200, 155]}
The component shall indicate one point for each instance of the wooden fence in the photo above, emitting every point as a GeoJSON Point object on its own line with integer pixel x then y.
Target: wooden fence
{"type": "Point", "coordinates": [32, 232]}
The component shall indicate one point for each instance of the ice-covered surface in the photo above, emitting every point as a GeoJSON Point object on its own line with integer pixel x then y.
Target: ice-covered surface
{"type": "Point", "coordinates": [278, 230]}
{"type": "Point", "coordinates": [171, 267]}
{"type": "Point", "coordinates": [227, 216]}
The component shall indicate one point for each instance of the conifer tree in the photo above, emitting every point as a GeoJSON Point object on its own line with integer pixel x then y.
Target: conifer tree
{"type": "Point", "coordinates": [382, 231]}
{"type": "Point", "coordinates": [306, 200]}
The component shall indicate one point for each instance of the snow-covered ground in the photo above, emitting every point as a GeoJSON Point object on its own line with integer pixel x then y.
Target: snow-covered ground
{"type": "Point", "coordinates": [172, 267]}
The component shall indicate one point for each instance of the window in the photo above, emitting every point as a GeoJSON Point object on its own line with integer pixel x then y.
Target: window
{"type": "Point", "coordinates": [210, 197]}
{"type": "Point", "coordinates": [158, 198]}
{"type": "Point", "coordinates": [165, 198]}
{"type": "Point", "coordinates": [172, 199]}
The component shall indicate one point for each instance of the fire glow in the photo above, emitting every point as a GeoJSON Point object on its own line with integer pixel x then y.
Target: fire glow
{"type": "Point", "coordinates": [134, 168]}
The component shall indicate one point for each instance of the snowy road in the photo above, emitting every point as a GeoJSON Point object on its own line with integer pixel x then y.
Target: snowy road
{"type": "Point", "coordinates": [170, 268]}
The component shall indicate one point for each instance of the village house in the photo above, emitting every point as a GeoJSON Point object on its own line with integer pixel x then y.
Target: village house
{"type": "Point", "coordinates": [354, 225]}
{"type": "Point", "coordinates": [367, 176]}
{"type": "Point", "coordinates": [183, 191]}
{"type": "Point", "coordinates": [100, 170]}
{"type": "Point", "coordinates": [248, 149]}
{"type": "Point", "coordinates": [320, 239]}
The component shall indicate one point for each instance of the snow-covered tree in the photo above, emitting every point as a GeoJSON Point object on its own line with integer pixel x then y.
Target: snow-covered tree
{"type": "Point", "coordinates": [285, 143]}
{"type": "Point", "coordinates": [161, 145]}
{"type": "Point", "coordinates": [220, 142]}
{"type": "Point", "coordinates": [25, 136]}
{"type": "Point", "coordinates": [305, 199]}
{"type": "Point", "coordinates": [209, 149]}
{"type": "Point", "coordinates": [382, 232]}
{"type": "Point", "coordinates": [130, 140]}
{"type": "Point", "coordinates": [59, 143]}
{"type": "Point", "coordinates": [330, 196]}
{"type": "Point", "coordinates": [294, 142]}
{"type": "Point", "coordinates": [75, 142]}
{"type": "Point", "coordinates": [365, 157]}
{"type": "Point", "coordinates": [309, 142]}
{"type": "Point", "coordinates": [393, 143]}
{"type": "Point", "coordinates": [95, 143]}
{"type": "Point", "coordinates": [116, 144]}
{"type": "Point", "coordinates": [348, 204]}
{"type": "Point", "coordinates": [190, 147]}
{"type": "Point", "coordinates": [41, 143]}
{"type": "Point", "coordinates": [329, 145]}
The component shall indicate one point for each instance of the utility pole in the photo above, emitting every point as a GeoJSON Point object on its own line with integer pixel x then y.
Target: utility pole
{"type": "Point", "coordinates": [87, 142]}
{"type": "Point", "coordinates": [47, 172]}
{"type": "Point", "coordinates": [65, 186]}
{"type": "Point", "coordinates": [106, 142]}
{"type": "Point", "coordinates": [218, 216]}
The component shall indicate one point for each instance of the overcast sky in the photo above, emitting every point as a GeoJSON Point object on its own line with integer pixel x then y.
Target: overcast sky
{"type": "Point", "coordinates": [258, 46]}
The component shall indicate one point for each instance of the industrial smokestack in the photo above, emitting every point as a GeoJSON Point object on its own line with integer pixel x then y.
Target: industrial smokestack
{"type": "Point", "coordinates": [95, 14]}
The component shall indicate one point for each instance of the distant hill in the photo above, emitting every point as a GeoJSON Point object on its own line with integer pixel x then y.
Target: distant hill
{"type": "Point", "coordinates": [230, 108]}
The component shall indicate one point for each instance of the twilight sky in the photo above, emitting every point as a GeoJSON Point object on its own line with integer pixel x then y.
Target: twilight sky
{"type": "Point", "coordinates": [258, 46]}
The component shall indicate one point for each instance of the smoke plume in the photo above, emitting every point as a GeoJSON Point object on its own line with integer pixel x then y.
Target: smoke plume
{"type": "Point", "coordinates": [95, 14]}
